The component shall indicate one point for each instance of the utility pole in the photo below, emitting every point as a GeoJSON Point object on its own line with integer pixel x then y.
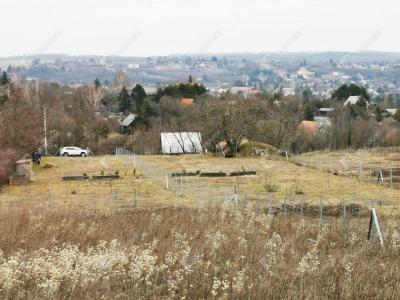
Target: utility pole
{"type": "Point", "coordinates": [45, 130]}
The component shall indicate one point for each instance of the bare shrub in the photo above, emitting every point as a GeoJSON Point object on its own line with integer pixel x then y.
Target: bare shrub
{"type": "Point", "coordinates": [186, 253]}
{"type": "Point", "coordinates": [7, 159]}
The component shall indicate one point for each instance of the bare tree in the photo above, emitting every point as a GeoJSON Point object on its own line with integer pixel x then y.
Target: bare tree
{"type": "Point", "coordinates": [120, 80]}
{"type": "Point", "coordinates": [92, 95]}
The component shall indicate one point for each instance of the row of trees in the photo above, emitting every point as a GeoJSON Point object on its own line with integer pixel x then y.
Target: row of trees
{"type": "Point", "coordinates": [19, 125]}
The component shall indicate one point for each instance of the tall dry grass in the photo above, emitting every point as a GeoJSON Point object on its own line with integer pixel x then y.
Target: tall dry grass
{"type": "Point", "coordinates": [195, 254]}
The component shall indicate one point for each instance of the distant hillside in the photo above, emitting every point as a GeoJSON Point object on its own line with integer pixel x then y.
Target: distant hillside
{"type": "Point", "coordinates": [270, 71]}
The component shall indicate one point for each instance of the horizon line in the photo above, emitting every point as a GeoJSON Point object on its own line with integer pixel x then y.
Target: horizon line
{"type": "Point", "coordinates": [311, 52]}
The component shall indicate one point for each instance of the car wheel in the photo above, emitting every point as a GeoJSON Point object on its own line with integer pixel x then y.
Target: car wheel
{"type": "Point", "coordinates": [65, 154]}
{"type": "Point", "coordinates": [83, 154]}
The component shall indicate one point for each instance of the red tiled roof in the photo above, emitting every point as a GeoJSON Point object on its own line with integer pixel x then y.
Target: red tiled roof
{"type": "Point", "coordinates": [186, 101]}
{"type": "Point", "coordinates": [309, 127]}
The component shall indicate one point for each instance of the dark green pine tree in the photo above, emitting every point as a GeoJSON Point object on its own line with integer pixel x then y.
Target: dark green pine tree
{"type": "Point", "coordinates": [190, 80]}
{"type": "Point", "coordinates": [4, 80]}
{"type": "Point", "coordinates": [138, 96]}
{"type": "Point", "coordinates": [308, 113]}
{"type": "Point", "coordinates": [124, 100]}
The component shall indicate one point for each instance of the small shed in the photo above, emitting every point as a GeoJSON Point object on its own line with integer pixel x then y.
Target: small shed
{"type": "Point", "coordinates": [181, 142]}
{"type": "Point", "coordinates": [324, 121]}
{"type": "Point", "coordinates": [23, 172]}
{"type": "Point", "coordinates": [128, 121]}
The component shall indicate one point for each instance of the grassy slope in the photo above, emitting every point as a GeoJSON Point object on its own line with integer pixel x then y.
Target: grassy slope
{"type": "Point", "coordinates": [99, 195]}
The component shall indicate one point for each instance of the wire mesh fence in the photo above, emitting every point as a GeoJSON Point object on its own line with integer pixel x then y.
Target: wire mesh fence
{"type": "Point", "coordinates": [202, 191]}
{"type": "Point", "coordinates": [371, 172]}
{"type": "Point", "coordinates": [88, 195]}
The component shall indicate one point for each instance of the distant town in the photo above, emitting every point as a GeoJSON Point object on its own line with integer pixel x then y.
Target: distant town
{"type": "Point", "coordinates": [317, 74]}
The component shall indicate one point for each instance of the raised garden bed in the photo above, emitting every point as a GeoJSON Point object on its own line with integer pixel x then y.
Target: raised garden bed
{"type": "Point", "coordinates": [216, 174]}
{"type": "Point", "coordinates": [213, 174]}
{"type": "Point", "coordinates": [186, 174]}
{"type": "Point", "coordinates": [243, 173]}
{"type": "Point", "coordinates": [75, 178]}
{"type": "Point", "coordinates": [106, 177]}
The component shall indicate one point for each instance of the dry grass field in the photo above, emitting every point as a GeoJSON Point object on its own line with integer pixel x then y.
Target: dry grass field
{"type": "Point", "coordinates": [180, 253]}
{"type": "Point", "coordinates": [133, 238]}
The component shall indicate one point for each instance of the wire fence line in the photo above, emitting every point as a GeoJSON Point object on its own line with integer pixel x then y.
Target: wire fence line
{"type": "Point", "coordinates": [203, 191]}
{"type": "Point", "coordinates": [86, 195]}
{"type": "Point", "coordinates": [388, 176]}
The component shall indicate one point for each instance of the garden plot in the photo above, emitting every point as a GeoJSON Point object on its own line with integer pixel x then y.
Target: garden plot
{"type": "Point", "coordinates": [131, 190]}
{"type": "Point", "coordinates": [151, 184]}
{"type": "Point", "coordinates": [286, 182]}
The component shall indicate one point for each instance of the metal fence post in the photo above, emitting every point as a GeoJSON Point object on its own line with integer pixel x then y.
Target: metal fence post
{"type": "Point", "coordinates": [235, 198]}
{"type": "Point", "coordinates": [321, 209]}
{"type": "Point", "coordinates": [270, 210]}
{"type": "Point", "coordinates": [302, 206]}
{"type": "Point", "coordinates": [49, 199]}
{"type": "Point", "coordinates": [344, 217]}
{"type": "Point", "coordinates": [136, 197]}
{"type": "Point", "coordinates": [258, 204]}
{"type": "Point", "coordinates": [181, 193]}
{"type": "Point", "coordinates": [284, 203]}
{"type": "Point", "coordinates": [116, 200]}
{"type": "Point", "coordinates": [201, 190]}
{"type": "Point", "coordinates": [187, 187]}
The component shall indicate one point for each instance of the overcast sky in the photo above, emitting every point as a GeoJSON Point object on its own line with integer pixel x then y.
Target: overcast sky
{"type": "Point", "coordinates": [161, 27]}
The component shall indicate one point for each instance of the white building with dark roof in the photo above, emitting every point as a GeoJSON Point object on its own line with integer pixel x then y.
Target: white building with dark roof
{"type": "Point", "coordinates": [181, 142]}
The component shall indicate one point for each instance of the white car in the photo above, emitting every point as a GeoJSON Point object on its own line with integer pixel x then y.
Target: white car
{"type": "Point", "coordinates": [73, 151]}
